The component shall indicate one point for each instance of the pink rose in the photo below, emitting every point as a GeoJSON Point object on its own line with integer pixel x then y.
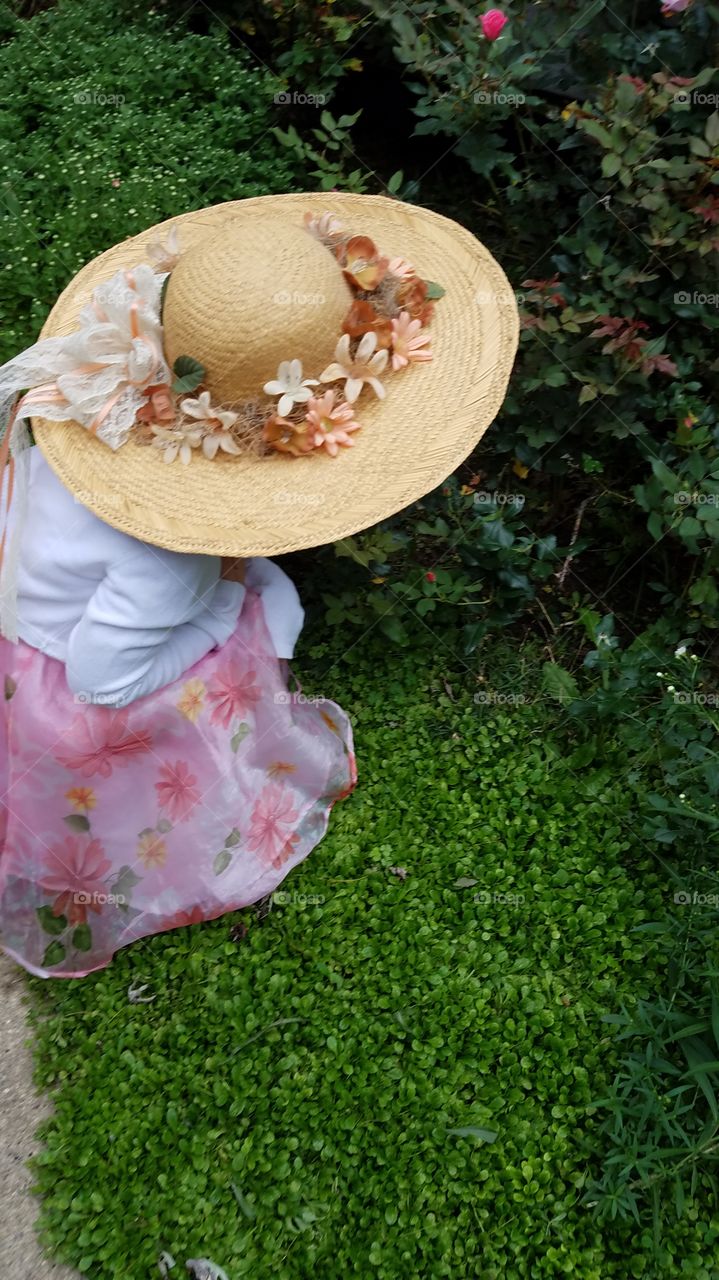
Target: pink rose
{"type": "Point", "coordinates": [494, 20]}
{"type": "Point", "coordinates": [159, 407]}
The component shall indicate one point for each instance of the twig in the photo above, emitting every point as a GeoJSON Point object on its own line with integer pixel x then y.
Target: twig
{"type": "Point", "coordinates": [561, 575]}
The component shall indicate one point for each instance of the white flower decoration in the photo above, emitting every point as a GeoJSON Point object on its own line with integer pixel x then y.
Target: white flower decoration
{"type": "Point", "coordinates": [204, 412]}
{"type": "Point", "coordinates": [290, 387]}
{"type": "Point", "coordinates": [164, 254]}
{"type": "Point", "coordinates": [367, 364]}
{"type": "Point", "coordinates": [177, 441]}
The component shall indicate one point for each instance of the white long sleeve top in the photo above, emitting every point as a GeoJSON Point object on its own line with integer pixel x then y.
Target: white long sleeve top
{"type": "Point", "coordinates": [126, 617]}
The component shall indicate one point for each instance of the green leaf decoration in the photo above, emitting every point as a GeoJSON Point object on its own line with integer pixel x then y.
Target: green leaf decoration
{"type": "Point", "coordinates": [82, 937]}
{"type": "Point", "coordinates": [239, 736]}
{"type": "Point", "coordinates": [222, 861]}
{"type": "Point", "coordinates": [123, 886]}
{"type": "Point", "coordinates": [50, 923]}
{"type": "Point", "coordinates": [233, 838]}
{"type": "Point", "coordinates": [55, 954]}
{"type": "Point", "coordinates": [10, 687]}
{"type": "Point", "coordinates": [164, 825]}
{"type": "Point", "coordinates": [434, 290]}
{"type": "Point", "coordinates": [77, 822]}
{"type": "Point", "coordinates": [189, 373]}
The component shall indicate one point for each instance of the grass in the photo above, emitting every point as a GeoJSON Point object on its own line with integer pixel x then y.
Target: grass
{"type": "Point", "coordinates": [392, 1073]}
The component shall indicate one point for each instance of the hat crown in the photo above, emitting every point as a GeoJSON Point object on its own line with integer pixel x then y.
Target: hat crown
{"type": "Point", "coordinates": [250, 297]}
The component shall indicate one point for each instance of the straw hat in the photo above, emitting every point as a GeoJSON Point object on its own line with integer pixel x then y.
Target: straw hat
{"type": "Point", "coordinates": [252, 289]}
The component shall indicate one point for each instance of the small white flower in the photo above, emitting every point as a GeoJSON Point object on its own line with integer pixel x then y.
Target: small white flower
{"type": "Point", "coordinates": [682, 795]}
{"type": "Point", "coordinates": [660, 674]}
{"type": "Point", "coordinates": [679, 653]}
{"type": "Point", "coordinates": [177, 442]}
{"type": "Point", "coordinates": [164, 254]}
{"type": "Point", "coordinates": [670, 688]}
{"type": "Point", "coordinates": [203, 411]}
{"type": "Point", "coordinates": [364, 368]}
{"type": "Point", "coordinates": [290, 387]}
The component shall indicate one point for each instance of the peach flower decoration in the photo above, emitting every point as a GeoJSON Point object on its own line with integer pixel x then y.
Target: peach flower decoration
{"type": "Point", "coordinates": [362, 318]}
{"type": "Point", "coordinates": [409, 344]}
{"type": "Point", "coordinates": [160, 406]}
{"type": "Point", "coordinates": [330, 425]}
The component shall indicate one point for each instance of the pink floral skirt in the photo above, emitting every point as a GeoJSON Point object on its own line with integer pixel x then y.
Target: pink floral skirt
{"type": "Point", "coordinates": [196, 800]}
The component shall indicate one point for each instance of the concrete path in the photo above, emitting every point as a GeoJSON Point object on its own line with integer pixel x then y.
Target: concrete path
{"type": "Point", "coordinates": [21, 1111]}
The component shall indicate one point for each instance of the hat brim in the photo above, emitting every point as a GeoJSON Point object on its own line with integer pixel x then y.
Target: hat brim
{"type": "Point", "coordinates": [431, 419]}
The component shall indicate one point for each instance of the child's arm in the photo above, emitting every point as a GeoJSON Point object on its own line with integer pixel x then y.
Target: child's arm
{"type": "Point", "coordinates": [152, 617]}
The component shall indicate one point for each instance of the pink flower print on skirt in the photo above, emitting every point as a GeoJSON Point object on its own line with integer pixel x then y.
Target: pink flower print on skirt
{"type": "Point", "coordinates": [196, 800]}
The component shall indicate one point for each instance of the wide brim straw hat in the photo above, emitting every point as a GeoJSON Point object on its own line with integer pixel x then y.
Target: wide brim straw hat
{"type": "Point", "coordinates": [231, 312]}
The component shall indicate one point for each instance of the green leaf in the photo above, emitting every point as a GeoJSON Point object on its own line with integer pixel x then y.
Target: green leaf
{"type": "Point", "coordinates": [50, 923]}
{"type": "Point", "coordinates": [164, 825]}
{"type": "Point", "coordinates": [611, 164]}
{"type": "Point", "coordinates": [222, 861]}
{"type": "Point", "coordinates": [189, 373]}
{"type": "Point", "coordinates": [82, 937]}
{"type": "Point", "coordinates": [711, 129]}
{"type": "Point", "coordinates": [77, 822]}
{"type": "Point", "coordinates": [434, 290]}
{"type": "Point", "coordinates": [233, 838]}
{"type": "Point", "coordinates": [239, 736]}
{"type": "Point", "coordinates": [55, 954]}
{"type": "Point", "coordinates": [474, 1131]}
{"type": "Point", "coordinates": [395, 182]}
{"type": "Point", "coordinates": [10, 687]}
{"type": "Point", "coordinates": [243, 1202]}
{"type": "Point", "coordinates": [594, 254]}
{"type": "Point", "coordinates": [559, 683]}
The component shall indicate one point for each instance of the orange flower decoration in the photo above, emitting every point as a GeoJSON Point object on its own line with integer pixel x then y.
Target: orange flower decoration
{"type": "Point", "coordinates": [362, 318]}
{"type": "Point", "coordinates": [160, 406]}
{"type": "Point", "coordinates": [363, 266]}
{"type": "Point", "coordinates": [287, 437]}
{"type": "Point", "coordinates": [412, 297]}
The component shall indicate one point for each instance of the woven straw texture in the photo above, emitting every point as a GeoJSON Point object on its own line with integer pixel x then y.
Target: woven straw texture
{"type": "Point", "coordinates": [431, 419]}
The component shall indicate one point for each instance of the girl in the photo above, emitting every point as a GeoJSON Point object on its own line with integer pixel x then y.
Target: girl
{"type": "Point", "coordinates": [192, 417]}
